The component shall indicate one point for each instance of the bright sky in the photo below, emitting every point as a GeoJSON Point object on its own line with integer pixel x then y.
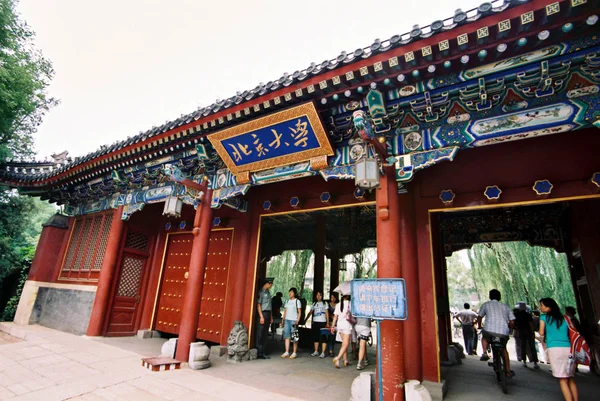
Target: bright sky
{"type": "Point", "coordinates": [123, 66]}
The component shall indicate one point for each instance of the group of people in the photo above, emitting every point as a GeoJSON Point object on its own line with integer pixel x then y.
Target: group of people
{"type": "Point", "coordinates": [497, 319]}
{"type": "Point", "coordinates": [331, 322]}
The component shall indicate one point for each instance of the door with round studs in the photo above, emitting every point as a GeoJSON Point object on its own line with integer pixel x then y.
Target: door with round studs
{"type": "Point", "coordinates": [212, 306]}
{"type": "Point", "coordinates": [174, 278]}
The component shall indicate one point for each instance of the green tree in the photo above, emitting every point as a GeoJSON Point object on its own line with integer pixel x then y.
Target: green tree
{"type": "Point", "coordinates": [24, 77]}
{"type": "Point", "coordinates": [461, 286]}
{"type": "Point", "coordinates": [289, 270]}
{"type": "Point", "coordinates": [521, 273]}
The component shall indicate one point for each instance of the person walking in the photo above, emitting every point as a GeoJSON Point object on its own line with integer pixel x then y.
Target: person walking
{"type": "Point", "coordinates": [363, 331]}
{"type": "Point", "coordinates": [556, 330]}
{"type": "Point", "coordinates": [320, 320]}
{"type": "Point", "coordinates": [333, 301]}
{"type": "Point", "coordinates": [343, 320]}
{"type": "Point", "coordinates": [264, 308]}
{"type": "Point", "coordinates": [524, 327]}
{"type": "Point", "coordinates": [291, 317]}
{"type": "Point", "coordinates": [467, 319]}
{"type": "Point", "coordinates": [276, 303]}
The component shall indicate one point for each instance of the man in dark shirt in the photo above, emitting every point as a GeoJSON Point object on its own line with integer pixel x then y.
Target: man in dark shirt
{"type": "Point", "coordinates": [276, 303]}
{"type": "Point", "coordinates": [526, 334]}
{"type": "Point", "coordinates": [264, 307]}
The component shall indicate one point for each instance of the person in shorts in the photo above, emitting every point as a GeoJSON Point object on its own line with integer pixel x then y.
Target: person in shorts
{"type": "Point", "coordinates": [320, 320]}
{"type": "Point", "coordinates": [499, 319]}
{"type": "Point", "coordinates": [291, 317]}
{"type": "Point", "coordinates": [363, 331]}
{"type": "Point", "coordinates": [556, 330]}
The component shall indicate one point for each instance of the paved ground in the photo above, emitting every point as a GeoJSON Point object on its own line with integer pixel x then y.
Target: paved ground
{"type": "Point", "coordinates": [38, 363]}
{"type": "Point", "coordinates": [475, 381]}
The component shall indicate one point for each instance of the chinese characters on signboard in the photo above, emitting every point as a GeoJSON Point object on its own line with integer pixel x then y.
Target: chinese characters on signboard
{"type": "Point", "coordinates": [283, 138]}
{"type": "Point", "coordinates": [383, 299]}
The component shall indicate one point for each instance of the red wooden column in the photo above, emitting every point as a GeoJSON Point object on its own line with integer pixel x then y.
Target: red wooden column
{"type": "Point", "coordinates": [388, 266]}
{"type": "Point", "coordinates": [410, 273]}
{"type": "Point", "coordinates": [195, 282]}
{"type": "Point", "coordinates": [239, 285]}
{"type": "Point", "coordinates": [108, 272]}
{"type": "Point", "coordinates": [319, 256]}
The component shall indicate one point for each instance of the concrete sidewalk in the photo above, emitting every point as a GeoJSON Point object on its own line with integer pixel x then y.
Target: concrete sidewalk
{"type": "Point", "coordinates": [37, 363]}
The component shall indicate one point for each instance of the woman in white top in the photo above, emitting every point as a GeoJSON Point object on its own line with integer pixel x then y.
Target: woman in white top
{"type": "Point", "coordinates": [342, 317]}
{"type": "Point", "coordinates": [320, 319]}
{"type": "Point", "coordinates": [291, 316]}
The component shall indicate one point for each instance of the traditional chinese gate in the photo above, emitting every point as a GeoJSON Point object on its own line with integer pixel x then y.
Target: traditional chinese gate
{"type": "Point", "coordinates": [124, 313]}
{"type": "Point", "coordinates": [174, 277]}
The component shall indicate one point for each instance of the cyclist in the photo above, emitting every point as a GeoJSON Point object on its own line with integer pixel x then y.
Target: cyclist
{"type": "Point", "coordinates": [499, 319]}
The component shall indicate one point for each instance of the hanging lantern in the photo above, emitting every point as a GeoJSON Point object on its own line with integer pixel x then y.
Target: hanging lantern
{"type": "Point", "coordinates": [342, 266]}
{"type": "Point", "coordinates": [367, 173]}
{"type": "Point", "coordinates": [172, 206]}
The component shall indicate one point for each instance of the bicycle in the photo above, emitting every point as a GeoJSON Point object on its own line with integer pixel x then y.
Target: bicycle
{"type": "Point", "coordinates": [499, 364]}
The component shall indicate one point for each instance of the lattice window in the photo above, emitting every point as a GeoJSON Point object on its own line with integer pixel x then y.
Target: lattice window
{"type": "Point", "coordinates": [102, 242]}
{"type": "Point", "coordinates": [86, 248]}
{"type": "Point", "coordinates": [75, 238]}
{"type": "Point", "coordinates": [130, 277]}
{"type": "Point", "coordinates": [136, 241]}
{"type": "Point", "coordinates": [92, 233]}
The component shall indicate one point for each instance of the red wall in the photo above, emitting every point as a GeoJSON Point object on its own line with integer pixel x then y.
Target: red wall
{"type": "Point", "coordinates": [47, 254]}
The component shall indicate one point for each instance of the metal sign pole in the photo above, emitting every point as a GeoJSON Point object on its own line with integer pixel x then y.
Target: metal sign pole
{"type": "Point", "coordinates": [379, 377]}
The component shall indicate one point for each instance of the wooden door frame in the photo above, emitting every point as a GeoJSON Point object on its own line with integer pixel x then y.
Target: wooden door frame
{"type": "Point", "coordinates": [143, 279]}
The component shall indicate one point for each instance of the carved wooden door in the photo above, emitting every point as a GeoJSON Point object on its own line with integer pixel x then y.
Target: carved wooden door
{"type": "Point", "coordinates": [124, 314]}
{"type": "Point", "coordinates": [212, 307]}
{"type": "Point", "coordinates": [174, 277]}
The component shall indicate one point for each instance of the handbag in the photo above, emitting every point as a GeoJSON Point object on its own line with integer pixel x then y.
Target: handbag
{"type": "Point", "coordinates": [295, 335]}
{"type": "Point", "coordinates": [350, 318]}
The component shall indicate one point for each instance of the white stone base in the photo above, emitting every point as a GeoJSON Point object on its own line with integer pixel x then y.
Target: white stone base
{"type": "Point", "coordinates": [415, 391]}
{"type": "Point", "coordinates": [30, 292]}
{"type": "Point", "coordinates": [363, 387]}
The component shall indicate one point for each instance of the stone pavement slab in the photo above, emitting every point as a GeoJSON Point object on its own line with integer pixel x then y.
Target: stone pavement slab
{"type": "Point", "coordinates": [49, 365]}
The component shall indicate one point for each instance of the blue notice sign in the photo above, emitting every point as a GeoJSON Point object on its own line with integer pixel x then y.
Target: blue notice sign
{"type": "Point", "coordinates": [381, 299]}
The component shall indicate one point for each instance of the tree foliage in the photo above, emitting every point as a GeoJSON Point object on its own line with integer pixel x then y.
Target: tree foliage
{"type": "Point", "coordinates": [521, 273]}
{"type": "Point", "coordinates": [24, 77]}
{"type": "Point", "coordinates": [289, 270]}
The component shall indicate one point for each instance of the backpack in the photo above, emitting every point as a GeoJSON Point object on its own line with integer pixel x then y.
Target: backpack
{"type": "Point", "coordinates": [582, 354]}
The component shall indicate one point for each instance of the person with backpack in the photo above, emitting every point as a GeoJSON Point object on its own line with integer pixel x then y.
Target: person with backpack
{"type": "Point", "coordinates": [320, 319]}
{"type": "Point", "coordinates": [556, 329]}
{"type": "Point", "coordinates": [291, 317]}
{"type": "Point", "coordinates": [345, 322]}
